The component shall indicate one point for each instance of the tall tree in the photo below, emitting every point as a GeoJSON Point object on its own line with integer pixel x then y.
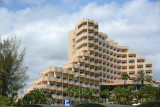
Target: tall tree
{"type": "Point", "coordinates": [105, 93]}
{"type": "Point", "coordinates": [76, 93]}
{"type": "Point", "coordinates": [141, 77]}
{"type": "Point", "coordinates": [141, 93]}
{"type": "Point", "coordinates": [91, 92]}
{"type": "Point", "coordinates": [156, 93]}
{"type": "Point", "coordinates": [70, 91]}
{"type": "Point", "coordinates": [125, 77]}
{"type": "Point", "coordinates": [12, 70]}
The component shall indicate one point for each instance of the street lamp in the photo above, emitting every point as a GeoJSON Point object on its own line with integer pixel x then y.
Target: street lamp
{"type": "Point", "coordinates": [79, 84]}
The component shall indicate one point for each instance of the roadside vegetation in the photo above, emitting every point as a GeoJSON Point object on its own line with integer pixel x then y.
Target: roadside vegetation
{"type": "Point", "coordinates": [12, 70]}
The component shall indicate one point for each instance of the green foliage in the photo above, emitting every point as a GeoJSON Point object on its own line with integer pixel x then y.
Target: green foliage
{"type": "Point", "coordinates": [156, 93]}
{"type": "Point", "coordinates": [150, 104]}
{"type": "Point", "coordinates": [97, 100]}
{"type": "Point", "coordinates": [91, 92]}
{"type": "Point", "coordinates": [6, 101]}
{"type": "Point", "coordinates": [123, 95]}
{"type": "Point", "coordinates": [146, 92]}
{"type": "Point", "coordinates": [12, 70]}
{"type": "Point", "coordinates": [105, 93]}
{"type": "Point", "coordinates": [38, 96]}
{"type": "Point", "coordinates": [70, 91]}
{"type": "Point", "coordinates": [141, 77]}
{"type": "Point", "coordinates": [85, 92]}
{"type": "Point", "coordinates": [125, 77]}
{"type": "Point", "coordinates": [89, 105]}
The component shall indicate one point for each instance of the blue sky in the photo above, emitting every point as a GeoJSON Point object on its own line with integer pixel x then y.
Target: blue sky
{"type": "Point", "coordinates": [66, 5]}
{"type": "Point", "coordinates": [42, 25]}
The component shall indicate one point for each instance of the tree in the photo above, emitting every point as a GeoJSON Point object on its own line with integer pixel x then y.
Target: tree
{"type": "Point", "coordinates": [12, 70]}
{"type": "Point", "coordinates": [38, 96]}
{"type": "Point", "coordinates": [5, 101]}
{"type": "Point", "coordinates": [75, 93]}
{"type": "Point", "coordinates": [123, 95]}
{"type": "Point", "coordinates": [128, 94]}
{"type": "Point", "coordinates": [156, 93]}
{"type": "Point", "coordinates": [105, 93]}
{"type": "Point", "coordinates": [117, 94]}
{"type": "Point", "coordinates": [91, 92]}
{"type": "Point", "coordinates": [149, 92]}
{"type": "Point", "coordinates": [141, 93]}
{"type": "Point", "coordinates": [125, 77]}
{"type": "Point", "coordinates": [85, 93]}
{"type": "Point", "coordinates": [70, 91]}
{"type": "Point", "coordinates": [141, 77]}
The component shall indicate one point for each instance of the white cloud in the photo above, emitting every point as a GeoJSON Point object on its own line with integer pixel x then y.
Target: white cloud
{"type": "Point", "coordinates": [44, 30]}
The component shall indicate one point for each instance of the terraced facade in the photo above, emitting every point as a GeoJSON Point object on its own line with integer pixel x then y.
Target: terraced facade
{"type": "Point", "coordinates": [100, 61]}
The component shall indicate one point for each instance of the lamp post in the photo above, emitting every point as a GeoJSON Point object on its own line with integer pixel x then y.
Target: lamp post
{"type": "Point", "coordinates": [79, 85]}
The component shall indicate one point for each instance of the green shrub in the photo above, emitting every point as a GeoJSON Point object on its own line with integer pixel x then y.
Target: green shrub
{"type": "Point", "coordinates": [88, 105]}
{"type": "Point", "coordinates": [150, 104]}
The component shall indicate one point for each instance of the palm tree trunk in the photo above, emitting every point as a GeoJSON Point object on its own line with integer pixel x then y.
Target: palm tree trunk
{"type": "Point", "coordinates": [142, 82]}
{"type": "Point", "coordinates": [91, 98]}
{"type": "Point", "coordinates": [75, 98]}
{"type": "Point", "coordinates": [142, 98]}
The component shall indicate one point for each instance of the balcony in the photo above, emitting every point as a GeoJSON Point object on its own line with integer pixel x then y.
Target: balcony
{"type": "Point", "coordinates": [90, 41]}
{"type": "Point", "coordinates": [84, 27]}
{"type": "Point", "coordinates": [65, 81]}
{"type": "Point", "coordinates": [91, 48]}
{"type": "Point", "coordinates": [59, 89]}
{"type": "Point", "coordinates": [59, 80]}
{"type": "Point", "coordinates": [82, 42]}
{"type": "Point", "coordinates": [91, 28]}
{"type": "Point", "coordinates": [71, 82]}
{"type": "Point", "coordinates": [43, 78]}
{"type": "Point", "coordinates": [82, 35]}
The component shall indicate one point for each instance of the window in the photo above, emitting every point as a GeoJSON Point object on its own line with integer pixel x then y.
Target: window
{"type": "Point", "coordinates": [58, 94]}
{"type": "Point", "coordinates": [58, 77]}
{"type": "Point", "coordinates": [75, 80]}
{"type": "Point", "coordinates": [58, 85]}
{"type": "Point", "coordinates": [52, 93]}
{"type": "Point", "coordinates": [51, 84]}
{"type": "Point", "coordinates": [64, 87]}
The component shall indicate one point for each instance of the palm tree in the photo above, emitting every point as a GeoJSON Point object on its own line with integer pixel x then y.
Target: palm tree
{"type": "Point", "coordinates": [85, 92]}
{"type": "Point", "coordinates": [141, 93]}
{"type": "Point", "coordinates": [128, 94]}
{"type": "Point", "coordinates": [38, 96]}
{"type": "Point", "coordinates": [75, 93]}
{"type": "Point", "coordinates": [117, 94]}
{"type": "Point", "coordinates": [91, 92]}
{"type": "Point", "coordinates": [105, 93]}
{"type": "Point", "coordinates": [125, 77]}
{"type": "Point", "coordinates": [156, 93]}
{"type": "Point", "coordinates": [123, 95]}
{"type": "Point", "coordinates": [149, 92]}
{"type": "Point", "coordinates": [70, 91]}
{"type": "Point", "coordinates": [28, 98]}
{"type": "Point", "coordinates": [141, 77]}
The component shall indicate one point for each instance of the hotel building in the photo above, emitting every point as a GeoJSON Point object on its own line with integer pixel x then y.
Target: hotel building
{"type": "Point", "coordinates": [100, 61]}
